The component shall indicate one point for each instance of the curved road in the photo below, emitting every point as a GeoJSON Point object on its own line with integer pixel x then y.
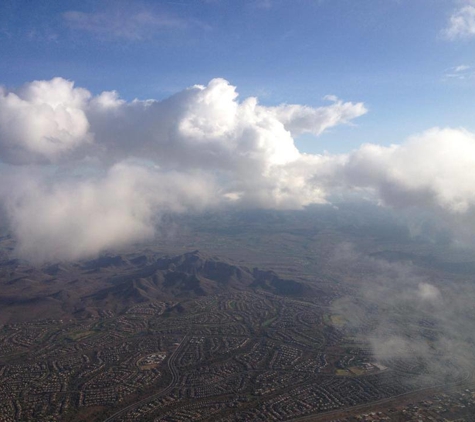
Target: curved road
{"type": "Point", "coordinates": [166, 390]}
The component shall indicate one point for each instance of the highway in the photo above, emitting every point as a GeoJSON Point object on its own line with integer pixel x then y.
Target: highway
{"type": "Point", "coordinates": [367, 406]}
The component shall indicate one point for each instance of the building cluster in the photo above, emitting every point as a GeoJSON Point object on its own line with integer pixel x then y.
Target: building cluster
{"type": "Point", "coordinates": [229, 357]}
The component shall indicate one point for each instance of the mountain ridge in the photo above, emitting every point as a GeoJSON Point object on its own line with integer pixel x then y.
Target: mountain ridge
{"type": "Point", "coordinates": [117, 282]}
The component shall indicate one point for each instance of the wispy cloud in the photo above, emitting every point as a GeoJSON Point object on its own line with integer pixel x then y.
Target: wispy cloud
{"type": "Point", "coordinates": [409, 317]}
{"type": "Point", "coordinates": [461, 68]}
{"type": "Point", "coordinates": [462, 22]}
{"type": "Point", "coordinates": [461, 72]}
{"type": "Point", "coordinates": [123, 25]}
{"type": "Point", "coordinates": [263, 4]}
{"type": "Point", "coordinates": [257, 4]}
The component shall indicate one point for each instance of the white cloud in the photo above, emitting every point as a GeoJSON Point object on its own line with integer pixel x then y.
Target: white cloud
{"type": "Point", "coordinates": [301, 119]}
{"type": "Point", "coordinates": [462, 22]}
{"type": "Point", "coordinates": [198, 127]}
{"type": "Point", "coordinates": [198, 148]}
{"type": "Point", "coordinates": [205, 127]}
{"type": "Point", "coordinates": [428, 292]}
{"type": "Point", "coordinates": [462, 72]}
{"type": "Point", "coordinates": [461, 68]}
{"type": "Point", "coordinates": [402, 298]}
{"type": "Point", "coordinates": [429, 170]}
{"type": "Point", "coordinates": [118, 164]}
{"type": "Point", "coordinates": [42, 120]}
{"type": "Point", "coordinates": [71, 218]}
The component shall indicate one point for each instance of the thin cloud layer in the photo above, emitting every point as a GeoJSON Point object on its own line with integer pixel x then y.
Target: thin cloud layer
{"type": "Point", "coordinates": [87, 173]}
{"type": "Point", "coordinates": [407, 319]}
{"type": "Point", "coordinates": [121, 24]}
{"type": "Point", "coordinates": [461, 72]}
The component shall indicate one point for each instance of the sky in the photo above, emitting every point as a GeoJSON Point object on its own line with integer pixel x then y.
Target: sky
{"type": "Point", "coordinates": [394, 55]}
{"type": "Point", "coordinates": [113, 113]}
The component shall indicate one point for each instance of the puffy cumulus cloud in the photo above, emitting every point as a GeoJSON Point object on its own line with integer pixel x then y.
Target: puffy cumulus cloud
{"type": "Point", "coordinates": [42, 120]}
{"type": "Point", "coordinates": [200, 147]}
{"type": "Point", "coordinates": [310, 179]}
{"type": "Point", "coordinates": [76, 218]}
{"type": "Point", "coordinates": [429, 170]}
{"type": "Point", "coordinates": [462, 22]}
{"type": "Point", "coordinates": [205, 127]}
{"type": "Point", "coordinates": [199, 127]}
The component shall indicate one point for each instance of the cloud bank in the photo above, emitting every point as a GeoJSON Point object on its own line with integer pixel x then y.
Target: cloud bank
{"type": "Point", "coordinates": [70, 219]}
{"type": "Point", "coordinates": [84, 173]}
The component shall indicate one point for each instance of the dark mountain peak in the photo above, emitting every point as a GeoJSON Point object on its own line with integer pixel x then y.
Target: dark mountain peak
{"type": "Point", "coordinates": [105, 261]}
{"type": "Point", "coordinates": [270, 281]}
{"type": "Point", "coordinates": [140, 260]}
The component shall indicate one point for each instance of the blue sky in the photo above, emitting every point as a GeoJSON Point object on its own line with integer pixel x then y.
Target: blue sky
{"type": "Point", "coordinates": [393, 55]}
